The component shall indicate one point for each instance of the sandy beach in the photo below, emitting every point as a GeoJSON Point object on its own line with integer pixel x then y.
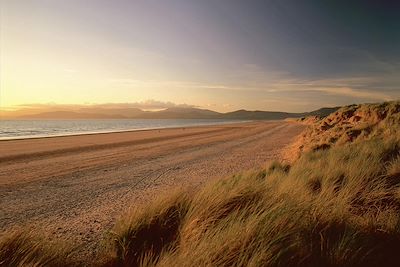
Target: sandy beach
{"type": "Point", "coordinates": [74, 187]}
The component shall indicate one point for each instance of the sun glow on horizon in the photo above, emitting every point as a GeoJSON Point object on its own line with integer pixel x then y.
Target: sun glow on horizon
{"type": "Point", "coordinates": [78, 53]}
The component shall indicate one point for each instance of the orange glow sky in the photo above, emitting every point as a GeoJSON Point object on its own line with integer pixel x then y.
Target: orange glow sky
{"type": "Point", "coordinates": [210, 54]}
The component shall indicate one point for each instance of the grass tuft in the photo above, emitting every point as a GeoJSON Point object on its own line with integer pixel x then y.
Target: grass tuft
{"type": "Point", "coordinates": [21, 248]}
{"type": "Point", "coordinates": [144, 233]}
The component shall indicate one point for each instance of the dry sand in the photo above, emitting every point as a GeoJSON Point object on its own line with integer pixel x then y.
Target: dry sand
{"type": "Point", "coordinates": [74, 187]}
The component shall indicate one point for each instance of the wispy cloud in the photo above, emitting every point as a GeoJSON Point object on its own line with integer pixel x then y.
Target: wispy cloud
{"type": "Point", "coordinates": [347, 91]}
{"type": "Point", "coordinates": [167, 84]}
{"type": "Point", "coordinates": [355, 87]}
{"type": "Point", "coordinates": [147, 104]}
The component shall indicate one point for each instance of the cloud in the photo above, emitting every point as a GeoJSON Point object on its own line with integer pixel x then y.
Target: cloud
{"type": "Point", "coordinates": [147, 104]}
{"type": "Point", "coordinates": [255, 79]}
{"type": "Point", "coordinates": [126, 82]}
{"type": "Point", "coordinates": [347, 91]}
{"type": "Point", "coordinates": [355, 87]}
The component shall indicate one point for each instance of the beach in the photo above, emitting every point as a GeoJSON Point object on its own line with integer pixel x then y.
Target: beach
{"type": "Point", "coordinates": [74, 187]}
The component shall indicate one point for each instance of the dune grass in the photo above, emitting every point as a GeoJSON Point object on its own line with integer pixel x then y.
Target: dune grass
{"type": "Point", "coordinates": [338, 206]}
{"type": "Point", "coordinates": [26, 248]}
{"type": "Point", "coordinates": [352, 123]}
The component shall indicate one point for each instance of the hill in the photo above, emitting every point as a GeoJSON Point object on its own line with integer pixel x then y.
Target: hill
{"type": "Point", "coordinates": [259, 115]}
{"type": "Point", "coordinates": [274, 115]}
{"type": "Point", "coordinates": [118, 112]}
{"type": "Point", "coordinates": [170, 113]}
{"type": "Point", "coordinates": [181, 113]}
{"type": "Point", "coordinates": [63, 115]}
{"type": "Point", "coordinates": [322, 112]}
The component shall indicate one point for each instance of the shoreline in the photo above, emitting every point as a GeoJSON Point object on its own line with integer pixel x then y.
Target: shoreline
{"type": "Point", "coordinates": [35, 148]}
{"type": "Point", "coordinates": [74, 187]}
{"type": "Point", "coordinates": [5, 139]}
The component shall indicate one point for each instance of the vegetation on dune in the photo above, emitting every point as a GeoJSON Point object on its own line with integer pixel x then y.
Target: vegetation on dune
{"type": "Point", "coordinates": [349, 124]}
{"type": "Point", "coordinates": [338, 206]}
{"type": "Point", "coordinates": [22, 248]}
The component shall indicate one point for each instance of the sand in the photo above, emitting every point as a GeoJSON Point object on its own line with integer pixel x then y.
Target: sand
{"type": "Point", "coordinates": [75, 187]}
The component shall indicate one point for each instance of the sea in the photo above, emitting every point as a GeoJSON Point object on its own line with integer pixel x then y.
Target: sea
{"type": "Point", "coordinates": [23, 129]}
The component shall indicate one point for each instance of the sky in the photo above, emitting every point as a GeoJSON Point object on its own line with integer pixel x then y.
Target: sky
{"type": "Point", "coordinates": [285, 55]}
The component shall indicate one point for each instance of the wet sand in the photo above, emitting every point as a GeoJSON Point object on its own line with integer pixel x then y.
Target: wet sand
{"type": "Point", "coordinates": [74, 187]}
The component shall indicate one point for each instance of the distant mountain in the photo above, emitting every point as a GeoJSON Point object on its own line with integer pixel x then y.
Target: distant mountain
{"type": "Point", "coordinates": [258, 115]}
{"type": "Point", "coordinates": [322, 112]}
{"type": "Point", "coordinates": [122, 112]}
{"type": "Point", "coordinates": [275, 115]}
{"type": "Point", "coordinates": [174, 113]}
{"type": "Point", "coordinates": [63, 115]}
{"type": "Point", "coordinates": [182, 113]}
